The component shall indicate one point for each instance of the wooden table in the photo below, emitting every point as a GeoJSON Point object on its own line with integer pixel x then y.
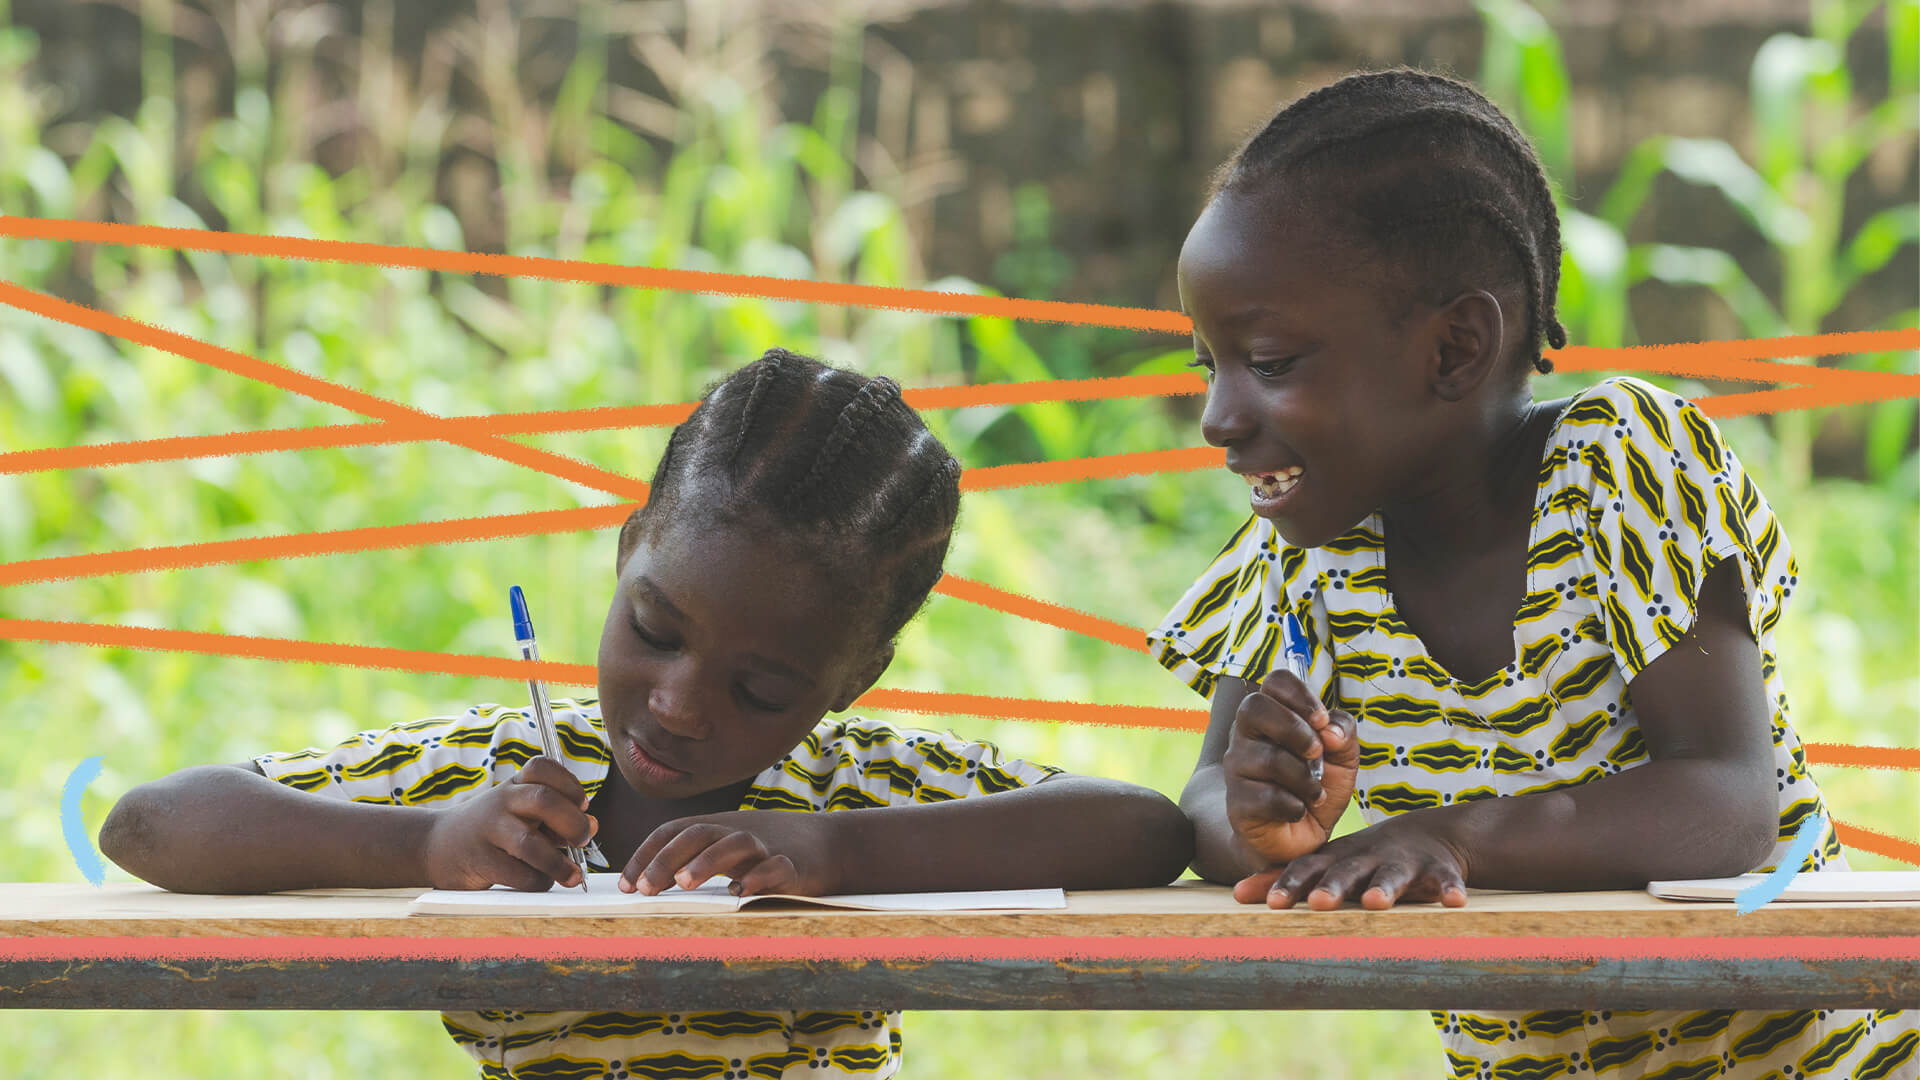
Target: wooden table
{"type": "Point", "coordinates": [1188, 946]}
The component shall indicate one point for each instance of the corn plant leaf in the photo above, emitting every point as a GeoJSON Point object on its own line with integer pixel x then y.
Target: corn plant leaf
{"type": "Point", "coordinates": [1778, 86]}
{"type": "Point", "coordinates": [1879, 238]}
{"type": "Point", "coordinates": [1903, 47]}
{"type": "Point", "coordinates": [1713, 163]}
{"type": "Point", "coordinates": [1715, 270]}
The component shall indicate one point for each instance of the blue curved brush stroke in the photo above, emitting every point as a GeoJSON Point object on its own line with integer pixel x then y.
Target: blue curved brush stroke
{"type": "Point", "coordinates": [1759, 894]}
{"type": "Point", "coordinates": [75, 829]}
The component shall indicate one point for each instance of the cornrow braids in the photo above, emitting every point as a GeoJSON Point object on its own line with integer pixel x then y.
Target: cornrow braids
{"type": "Point", "coordinates": [854, 421]}
{"type": "Point", "coordinates": [1427, 172]}
{"type": "Point", "coordinates": [828, 458]}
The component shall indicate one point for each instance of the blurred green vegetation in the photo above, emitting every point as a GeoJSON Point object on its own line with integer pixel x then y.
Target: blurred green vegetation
{"type": "Point", "coordinates": [704, 176]}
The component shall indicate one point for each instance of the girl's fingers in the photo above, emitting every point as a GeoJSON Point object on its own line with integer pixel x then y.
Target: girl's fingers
{"type": "Point", "coordinates": [1254, 888]}
{"type": "Point", "coordinates": [1450, 887]}
{"type": "Point", "coordinates": [549, 773]}
{"type": "Point", "coordinates": [503, 869]}
{"type": "Point", "coordinates": [1266, 784]}
{"type": "Point", "coordinates": [672, 855]}
{"type": "Point", "coordinates": [1338, 734]}
{"type": "Point", "coordinates": [534, 848]}
{"type": "Point", "coordinates": [1389, 886]}
{"type": "Point", "coordinates": [643, 855]}
{"type": "Point", "coordinates": [729, 855]}
{"type": "Point", "coordinates": [1262, 719]}
{"type": "Point", "coordinates": [1297, 877]}
{"type": "Point", "coordinates": [1341, 882]}
{"type": "Point", "coordinates": [1285, 687]}
{"type": "Point", "coordinates": [771, 874]}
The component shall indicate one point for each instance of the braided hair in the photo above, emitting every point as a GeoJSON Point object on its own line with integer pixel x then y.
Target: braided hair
{"type": "Point", "coordinates": [1429, 174]}
{"type": "Point", "coordinates": [826, 457]}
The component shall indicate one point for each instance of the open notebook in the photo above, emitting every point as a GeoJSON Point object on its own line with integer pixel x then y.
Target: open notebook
{"type": "Point", "coordinates": [605, 898]}
{"type": "Point", "coordinates": [1811, 885]}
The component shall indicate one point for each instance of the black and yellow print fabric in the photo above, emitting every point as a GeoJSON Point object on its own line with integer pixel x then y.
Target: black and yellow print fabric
{"type": "Point", "coordinates": [1638, 497]}
{"type": "Point", "coordinates": [844, 763]}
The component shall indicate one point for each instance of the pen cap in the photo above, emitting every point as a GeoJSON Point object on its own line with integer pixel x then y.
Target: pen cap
{"type": "Point", "coordinates": [1296, 637]}
{"type": "Point", "coordinates": [522, 622]}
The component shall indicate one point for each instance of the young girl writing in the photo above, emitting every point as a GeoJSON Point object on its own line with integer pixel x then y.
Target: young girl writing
{"type": "Point", "coordinates": [1542, 632]}
{"type": "Point", "coordinates": [796, 522]}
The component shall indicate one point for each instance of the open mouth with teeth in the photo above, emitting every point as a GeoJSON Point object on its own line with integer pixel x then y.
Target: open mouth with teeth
{"type": "Point", "coordinates": [1270, 486]}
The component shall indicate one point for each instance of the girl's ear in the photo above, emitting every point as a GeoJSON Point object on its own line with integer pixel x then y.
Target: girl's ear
{"type": "Point", "coordinates": [1471, 332]}
{"type": "Point", "coordinates": [865, 680]}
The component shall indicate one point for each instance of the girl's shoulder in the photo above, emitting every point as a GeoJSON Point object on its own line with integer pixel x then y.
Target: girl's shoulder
{"type": "Point", "coordinates": [1624, 421]}
{"type": "Point", "coordinates": [1637, 409]}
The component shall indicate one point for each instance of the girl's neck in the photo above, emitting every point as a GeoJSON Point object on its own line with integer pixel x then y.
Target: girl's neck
{"type": "Point", "coordinates": [1473, 499]}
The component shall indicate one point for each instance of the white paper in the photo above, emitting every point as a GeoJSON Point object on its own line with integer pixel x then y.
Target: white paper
{"type": "Point", "coordinates": [605, 898]}
{"type": "Point", "coordinates": [1812, 885]}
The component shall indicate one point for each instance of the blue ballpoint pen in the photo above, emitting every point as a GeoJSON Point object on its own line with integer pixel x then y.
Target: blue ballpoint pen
{"type": "Point", "coordinates": [542, 712]}
{"type": "Point", "coordinates": [1299, 660]}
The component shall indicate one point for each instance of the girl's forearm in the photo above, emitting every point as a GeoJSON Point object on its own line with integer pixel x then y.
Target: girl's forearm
{"type": "Point", "coordinates": [1071, 832]}
{"type": "Point", "coordinates": [1676, 818]}
{"type": "Point", "coordinates": [222, 829]}
{"type": "Point", "coordinates": [1220, 856]}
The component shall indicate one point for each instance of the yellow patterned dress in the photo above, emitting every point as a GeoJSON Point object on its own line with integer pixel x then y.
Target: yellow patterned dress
{"type": "Point", "coordinates": [1638, 497]}
{"type": "Point", "coordinates": [843, 764]}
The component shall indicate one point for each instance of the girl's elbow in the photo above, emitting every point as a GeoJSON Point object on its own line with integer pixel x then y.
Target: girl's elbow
{"type": "Point", "coordinates": [128, 832]}
{"type": "Point", "coordinates": [1759, 834]}
{"type": "Point", "coordinates": [1168, 833]}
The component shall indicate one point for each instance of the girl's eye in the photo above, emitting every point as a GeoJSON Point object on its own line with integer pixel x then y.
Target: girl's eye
{"type": "Point", "coordinates": [1268, 369]}
{"type": "Point", "coordinates": [1201, 362]}
{"type": "Point", "coordinates": [651, 641]}
{"type": "Point", "coordinates": [754, 702]}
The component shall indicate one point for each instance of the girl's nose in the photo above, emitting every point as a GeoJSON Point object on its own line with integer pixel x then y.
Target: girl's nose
{"type": "Point", "coordinates": [677, 709]}
{"type": "Point", "coordinates": [1226, 419]}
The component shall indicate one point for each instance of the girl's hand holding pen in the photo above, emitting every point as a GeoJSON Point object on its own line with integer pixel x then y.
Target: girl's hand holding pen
{"type": "Point", "coordinates": [513, 834]}
{"type": "Point", "coordinates": [763, 851]}
{"type": "Point", "coordinates": [1273, 802]}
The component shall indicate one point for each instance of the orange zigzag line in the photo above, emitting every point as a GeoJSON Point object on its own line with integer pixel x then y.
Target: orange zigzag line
{"type": "Point", "coordinates": [496, 446]}
{"type": "Point", "coordinates": [366, 404]}
{"type": "Point", "coordinates": [461, 530]}
{"type": "Point", "coordinates": [409, 660]}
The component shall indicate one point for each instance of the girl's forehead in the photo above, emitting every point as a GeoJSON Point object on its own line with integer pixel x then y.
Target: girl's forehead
{"type": "Point", "coordinates": [1245, 250]}
{"type": "Point", "coordinates": [742, 578]}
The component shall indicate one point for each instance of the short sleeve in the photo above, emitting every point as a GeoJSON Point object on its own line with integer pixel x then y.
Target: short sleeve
{"type": "Point", "coordinates": [1665, 501]}
{"type": "Point", "coordinates": [441, 760]}
{"type": "Point", "coordinates": [854, 763]}
{"type": "Point", "coordinates": [1229, 621]}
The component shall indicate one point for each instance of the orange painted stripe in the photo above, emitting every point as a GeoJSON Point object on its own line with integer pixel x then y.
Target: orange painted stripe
{"type": "Point", "coordinates": [1738, 360]}
{"type": "Point", "coordinates": [101, 455]}
{"type": "Point", "coordinates": [1063, 712]}
{"type": "Point", "coordinates": [1878, 843]}
{"type": "Point", "coordinates": [1040, 611]}
{"type": "Point", "coordinates": [299, 652]}
{"type": "Point", "coordinates": [369, 656]}
{"type": "Point", "coordinates": [995, 477]}
{"type": "Point", "coordinates": [140, 333]}
{"type": "Point", "coordinates": [929, 301]}
{"type": "Point", "coordinates": [259, 549]}
{"type": "Point", "coordinates": [1789, 398]}
{"type": "Point", "coordinates": [1848, 756]}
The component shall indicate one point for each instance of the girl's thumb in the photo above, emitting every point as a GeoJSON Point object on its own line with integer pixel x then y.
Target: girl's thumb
{"type": "Point", "coordinates": [1339, 737]}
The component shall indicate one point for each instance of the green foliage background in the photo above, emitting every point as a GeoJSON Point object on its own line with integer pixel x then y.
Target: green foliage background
{"type": "Point", "coordinates": [704, 177]}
